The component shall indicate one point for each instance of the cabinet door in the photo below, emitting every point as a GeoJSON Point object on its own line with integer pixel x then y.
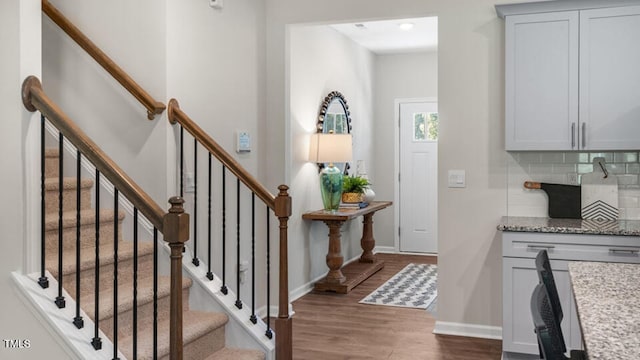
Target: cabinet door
{"type": "Point", "coordinates": [541, 73]}
{"type": "Point", "coordinates": [610, 78]}
{"type": "Point", "coordinates": [519, 280]}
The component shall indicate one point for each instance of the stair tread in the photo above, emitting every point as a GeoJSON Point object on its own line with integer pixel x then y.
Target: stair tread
{"type": "Point", "coordinates": [87, 216]}
{"type": "Point", "coordinates": [87, 256]}
{"type": "Point", "coordinates": [195, 325]}
{"type": "Point", "coordinates": [68, 183]}
{"type": "Point", "coordinates": [125, 299]}
{"type": "Point", "coordinates": [236, 354]}
{"type": "Point", "coordinates": [51, 152]}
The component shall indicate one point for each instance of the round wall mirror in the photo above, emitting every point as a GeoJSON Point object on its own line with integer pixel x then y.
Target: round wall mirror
{"type": "Point", "coordinates": [334, 117]}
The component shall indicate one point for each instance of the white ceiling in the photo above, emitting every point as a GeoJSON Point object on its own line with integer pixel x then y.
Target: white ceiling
{"type": "Point", "coordinates": [386, 37]}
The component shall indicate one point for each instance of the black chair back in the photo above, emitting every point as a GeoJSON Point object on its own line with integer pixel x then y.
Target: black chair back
{"type": "Point", "coordinates": [543, 266]}
{"type": "Point", "coordinates": [545, 275]}
{"type": "Point", "coordinates": [547, 329]}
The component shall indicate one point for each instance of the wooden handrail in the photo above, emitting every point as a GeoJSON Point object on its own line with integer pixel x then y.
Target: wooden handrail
{"type": "Point", "coordinates": [153, 107]}
{"type": "Point", "coordinates": [176, 115]}
{"type": "Point", "coordinates": [34, 98]}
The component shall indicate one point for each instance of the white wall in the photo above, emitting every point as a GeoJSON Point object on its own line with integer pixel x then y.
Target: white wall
{"type": "Point", "coordinates": [215, 69]}
{"type": "Point", "coordinates": [20, 43]}
{"type": "Point", "coordinates": [401, 76]}
{"type": "Point", "coordinates": [132, 33]}
{"type": "Point", "coordinates": [470, 96]}
{"type": "Point", "coordinates": [323, 60]}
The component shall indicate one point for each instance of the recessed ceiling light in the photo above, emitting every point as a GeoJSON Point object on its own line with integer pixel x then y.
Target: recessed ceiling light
{"type": "Point", "coordinates": [406, 26]}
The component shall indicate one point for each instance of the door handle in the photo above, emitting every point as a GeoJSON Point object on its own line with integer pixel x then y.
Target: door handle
{"type": "Point", "coordinates": [584, 135]}
{"type": "Point", "coordinates": [573, 135]}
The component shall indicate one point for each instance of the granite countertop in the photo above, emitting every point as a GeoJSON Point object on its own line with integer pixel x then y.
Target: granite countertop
{"type": "Point", "coordinates": [608, 308]}
{"type": "Point", "coordinates": [570, 226]}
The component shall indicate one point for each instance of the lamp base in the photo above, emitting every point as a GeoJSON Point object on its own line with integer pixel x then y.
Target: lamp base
{"type": "Point", "coordinates": [331, 187]}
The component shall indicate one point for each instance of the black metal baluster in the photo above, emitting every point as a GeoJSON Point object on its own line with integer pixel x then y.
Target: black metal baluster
{"type": "Point", "coordinates": [238, 302]}
{"type": "Point", "coordinates": [253, 317]}
{"type": "Point", "coordinates": [195, 260]}
{"type": "Point", "coordinates": [43, 281]}
{"type": "Point", "coordinates": [182, 168]}
{"type": "Point", "coordinates": [224, 289]}
{"type": "Point", "coordinates": [115, 274]}
{"type": "Point", "coordinates": [78, 321]}
{"type": "Point", "coordinates": [181, 162]}
{"type": "Point", "coordinates": [155, 293]}
{"type": "Point", "coordinates": [135, 283]}
{"type": "Point", "coordinates": [209, 273]}
{"type": "Point", "coordinates": [60, 302]}
{"type": "Point", "coordinates": [268, 333]}
{"type": "Point", "coordinates": [97, 342]}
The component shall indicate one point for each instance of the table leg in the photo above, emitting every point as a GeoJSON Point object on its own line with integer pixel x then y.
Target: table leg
{"type": "Point", "coordinates": [367, 242]}
{"type": "Point", "coordinates": [334, 256]}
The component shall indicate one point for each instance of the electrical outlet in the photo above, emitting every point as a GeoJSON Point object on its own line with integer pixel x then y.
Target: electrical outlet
{"type": "Point", "coordinates": [190, 182]}
{"type": "Point", "coordinates": [242, 270]}
{"type": "Point", "coordinates": [572, 178]}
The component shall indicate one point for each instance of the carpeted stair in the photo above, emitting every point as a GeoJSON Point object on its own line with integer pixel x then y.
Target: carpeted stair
{"type": "Point", "coordinates": [203, 332]}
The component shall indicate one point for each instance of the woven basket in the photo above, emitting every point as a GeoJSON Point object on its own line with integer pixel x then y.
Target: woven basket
{"type": "Point", "coordinates": [351, 197]}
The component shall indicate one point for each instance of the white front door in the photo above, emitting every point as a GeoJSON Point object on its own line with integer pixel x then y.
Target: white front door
{"type": "Point", "coordinates": [418, 177]}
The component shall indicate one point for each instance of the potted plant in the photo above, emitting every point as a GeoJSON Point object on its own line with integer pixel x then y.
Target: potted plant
{"type": "Point", "coordinates": [353, 188]}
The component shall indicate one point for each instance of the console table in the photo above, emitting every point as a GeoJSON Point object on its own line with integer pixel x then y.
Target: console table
{"type": "Point", "coordinates": [343, 279]}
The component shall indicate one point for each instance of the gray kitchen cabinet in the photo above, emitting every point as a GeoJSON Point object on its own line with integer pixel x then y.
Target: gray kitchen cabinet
{"type": "Point", "coordinates": [519, 250]}
{"type": "Point", "coordinates": [572, 80]}
{"type": "Point", "coordinates": [541, 64]}
{"type": "Point", "coordinates": [610, 78]}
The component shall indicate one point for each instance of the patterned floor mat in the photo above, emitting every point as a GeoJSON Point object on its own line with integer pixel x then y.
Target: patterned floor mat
{"type": "Point", "coordinates": [413, 287]}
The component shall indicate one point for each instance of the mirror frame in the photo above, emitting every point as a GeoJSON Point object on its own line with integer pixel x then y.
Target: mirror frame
{"type": "Point", "coordinates": [334, 95]}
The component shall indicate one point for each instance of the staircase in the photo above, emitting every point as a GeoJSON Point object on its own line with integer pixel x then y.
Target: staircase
{"type": "Point", "coordinates": [203, 332]}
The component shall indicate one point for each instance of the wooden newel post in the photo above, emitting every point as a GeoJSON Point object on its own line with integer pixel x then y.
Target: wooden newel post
{"type": "Point", "coordinates": [176, 233]}
{"type": "Point", "coordinates": [284, 341]}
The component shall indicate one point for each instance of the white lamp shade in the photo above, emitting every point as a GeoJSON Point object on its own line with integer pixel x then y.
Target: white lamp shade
{"type": "Point", "coordinates": [330, 148]}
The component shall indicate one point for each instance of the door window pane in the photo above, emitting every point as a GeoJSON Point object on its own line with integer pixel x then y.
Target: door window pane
{"type": "Point", "coordinates": [425, 126]}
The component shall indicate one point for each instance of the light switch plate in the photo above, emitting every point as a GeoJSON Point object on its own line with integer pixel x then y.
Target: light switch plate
{"type": "Point", "coordinates": [457, 179]}
{"type": "Point", "coordinates": [216, 4]}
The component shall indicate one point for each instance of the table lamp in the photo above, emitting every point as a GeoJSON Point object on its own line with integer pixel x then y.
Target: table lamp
{"type": "Point", "coordinates": [330, 148]}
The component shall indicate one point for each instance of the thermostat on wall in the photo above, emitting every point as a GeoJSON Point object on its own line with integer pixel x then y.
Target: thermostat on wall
{"type": "Point", "coordinates": [243, 142]}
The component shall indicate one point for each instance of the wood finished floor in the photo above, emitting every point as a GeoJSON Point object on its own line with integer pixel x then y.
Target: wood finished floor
{"type": "Point", "coordinates": [329, 326]}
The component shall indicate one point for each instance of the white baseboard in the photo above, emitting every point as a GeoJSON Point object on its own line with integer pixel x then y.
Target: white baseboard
{"type": "Point", "coordinates": [385, 249]}
{"type": "Point", "coordinates": [58, 322]}
{"type": "Point", "coordinates": [470, 330]}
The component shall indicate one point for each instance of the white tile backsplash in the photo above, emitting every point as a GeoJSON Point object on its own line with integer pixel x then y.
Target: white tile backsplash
{"type": "Point", "coordinates": [633, 168]}
{"type": "Point", "coordinates": [554, 167]}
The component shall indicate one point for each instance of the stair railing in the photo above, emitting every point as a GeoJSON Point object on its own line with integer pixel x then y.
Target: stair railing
{"type": "Point", "coordinates": [174, 224]}
{"type": "Point", "coordinates": [280, 205]}
{"type": "Point", "coordinates": [153, 107]}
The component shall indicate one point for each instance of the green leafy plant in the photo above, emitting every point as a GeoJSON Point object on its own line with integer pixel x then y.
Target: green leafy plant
{"type": "Point", "coordinates": [354, 184]}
